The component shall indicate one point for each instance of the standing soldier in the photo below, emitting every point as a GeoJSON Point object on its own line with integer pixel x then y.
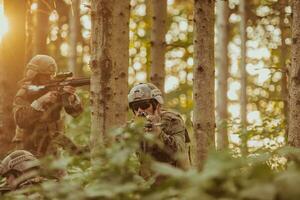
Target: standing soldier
{"type": "Point", "coordinates": [145, 100]}
{"type": "Point", "coordinates": [37, 114]}
{"type": "Point", "coordinates": [20, 169]}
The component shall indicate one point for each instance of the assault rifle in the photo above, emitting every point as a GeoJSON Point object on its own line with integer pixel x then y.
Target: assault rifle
{"type": "Point", "coordinates": [58, 82]}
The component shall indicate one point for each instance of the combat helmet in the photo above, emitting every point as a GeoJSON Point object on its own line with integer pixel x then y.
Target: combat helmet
{"type": "Point", "coordinates": [144, 91]}
{"type": "Point", "coordinates": [40, 64]}
{"type": "Point", "coordinates": [20, 161]}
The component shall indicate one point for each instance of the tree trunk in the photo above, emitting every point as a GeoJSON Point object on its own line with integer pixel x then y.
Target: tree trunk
{"type": "Point", "coordinates": [158, 44]}
{"type": "Point", "coordinates": [29, 32]}
{"type": "Point", "coordinates": [12, 63]}
{"type": "Point", "coordinates": [42, 27]}
{"type": "Point", "coordinates": [74, 22]}
{"type": "Point", "coordinates": [243, 97]}
{"type": "Point", "coordinates": [222, 64]}
{"type": "Point", "coordinates": [203, 87]}
{"type": "Point", "coordinates": [148, 21]}
{"type": "Point", "coordinates": [294, 90]}
{"type": "Point", "coordinates": [109, 65]}
{"type": "Point", "coordinates": [284, 55]}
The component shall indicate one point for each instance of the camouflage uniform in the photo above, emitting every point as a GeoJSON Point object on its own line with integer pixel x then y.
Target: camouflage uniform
{"type": "Point", "coordinates": [25, 169]}
{"type": "Point", "coordinates": [40, 130]}
{"type": "Point", "coordinates": [173, 136]}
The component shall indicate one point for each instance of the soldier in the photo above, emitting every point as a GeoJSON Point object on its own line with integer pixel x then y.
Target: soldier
{"type": "Point", "coordinates": [37, 116]}
{"type": "Point", "coordinates": [145, 100]}
{"type": "Point", "coordinates": [21, 169]}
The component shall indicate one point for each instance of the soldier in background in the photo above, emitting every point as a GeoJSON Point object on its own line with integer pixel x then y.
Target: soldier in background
{"type": "Point", "coordinates": [20, 169]}
{"type": "Point", "coordinates": [37, 115]}
{"type": "Point", "coordinates": [145, 100]}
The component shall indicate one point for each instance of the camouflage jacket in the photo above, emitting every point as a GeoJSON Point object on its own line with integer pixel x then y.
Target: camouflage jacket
{"type": "Point", "coordinates": [41, 132]}
{"type": "Point", "coordinates": [174, 138]}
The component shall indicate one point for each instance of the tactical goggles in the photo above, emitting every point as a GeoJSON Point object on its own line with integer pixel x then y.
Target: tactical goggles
{"type": "Point", "coordinates": [140, 104]}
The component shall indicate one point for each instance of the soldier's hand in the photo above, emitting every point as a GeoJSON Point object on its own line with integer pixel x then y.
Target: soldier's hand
{"type": "Point", "coordinates": [49, 97]}
{"type": "Point", "coordinates": [70, 93]}
{"type": "Point", "coordinates": [153, 124]}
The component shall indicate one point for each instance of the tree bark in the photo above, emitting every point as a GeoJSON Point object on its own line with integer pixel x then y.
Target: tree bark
{"type": "Point", "coordinates": [204, 74]}
{"type": "Point", "coordinates": [222, 64]}
{"type": "Point", "coordinates": [12, 64]}
{"type": "Point", "coordinates": [109, 65]}
{"type": "Point", "coordinates": [148, 21]}
{"type": "Point", "coordinates": [284, 54]}
{"type": "Point", "coordinates": [42, 27]}
{"type": "Point", "coordinates": [29, 32]}
{"type": "Point", "coordinates": [158, 44]}
{"type": "Point", "coordinates": [243, 97]}
{"type": "Point", "coordinates": [74, 24]}
{"type": "Point", "coordinates": [294, 90]}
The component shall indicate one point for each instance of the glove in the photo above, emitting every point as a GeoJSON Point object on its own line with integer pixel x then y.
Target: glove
{"type": "Point", "coordinates": [48, 98]}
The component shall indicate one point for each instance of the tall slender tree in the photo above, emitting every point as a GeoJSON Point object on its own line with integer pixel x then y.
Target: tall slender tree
{"type": "Point", "coordinates": [294, 85]}
{"type": "Point", "coordinates": [74, 24]}
{"type": "Point", "coordinates": [158, 44]}
{"type": "Point", "coordinates": [29, 31]}
{"type": "Point", "coordinates": [41, 27]}
{"type": "Point", "coordinates": [284, 54]}
{"type": "Point", "coordinates": [222, 64]}
{"type": "Point", "coordinates": [148, 27]}
{"type": "Point", "coordinates": [243, 96]}
{"type": "Point", "coordinates": [109, 65]}
{"type": "Point", "coordinates": [204, 74]}
{"type": "Point", "coordinates": [12, 63]}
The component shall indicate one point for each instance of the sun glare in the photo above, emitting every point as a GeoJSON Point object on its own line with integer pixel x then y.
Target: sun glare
{"type": "Point", "coordinates": [3, 23]}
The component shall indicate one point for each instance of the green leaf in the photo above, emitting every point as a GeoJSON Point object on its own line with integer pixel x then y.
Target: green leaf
{"type": "Point", "coordinates": [287, 184]}
{"type": "Point", "coordinates": [262, 191]}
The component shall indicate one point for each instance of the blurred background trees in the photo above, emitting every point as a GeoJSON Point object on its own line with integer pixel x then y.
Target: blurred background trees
{"type": "Point", "coordinates": [12, 61]}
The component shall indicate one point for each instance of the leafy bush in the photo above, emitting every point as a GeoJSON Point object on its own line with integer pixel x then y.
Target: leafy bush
{"type": "Point", "coordinates": [114, 174]}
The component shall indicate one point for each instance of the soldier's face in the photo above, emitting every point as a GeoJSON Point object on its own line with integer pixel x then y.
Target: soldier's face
{"type": "Point", "coordinates": [42, 78]}
{"type": "Point", "coordinates": [143, 108]}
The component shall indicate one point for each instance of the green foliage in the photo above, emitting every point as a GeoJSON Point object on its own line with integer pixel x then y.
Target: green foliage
{"type": "Point", "coordinates": [114, 174]}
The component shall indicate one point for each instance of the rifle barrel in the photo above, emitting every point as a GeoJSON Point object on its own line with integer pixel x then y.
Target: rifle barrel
{"type": "Point", "coordinates": [77, 82]}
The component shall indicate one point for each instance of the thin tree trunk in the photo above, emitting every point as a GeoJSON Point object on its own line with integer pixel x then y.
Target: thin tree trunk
{"type": "Point", "coordinates": [12, 63]}
{"type": "Point", "coordinates": [148, 22]}
{"type": "Point", "coordinates": [284, 54]}
{"type": "Point", "coordinates": [222, 64]}
{"type": "Point", "coordinates": [109, 64]}
{"type": "Point", "coordinates": [243, 97]}
{"type": "Point", "coordinates": [203, 88]}
{"type": "Point", "coordinates": [29, 32]}
{"type": "Point", "coordinates": [74, 22]}
{"type": "Point", "coordinates": [158, 44]}
{"type": "Point", "coordinates": [42, 27]}
{"type": "Point", "coordinates": [294, 90]}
